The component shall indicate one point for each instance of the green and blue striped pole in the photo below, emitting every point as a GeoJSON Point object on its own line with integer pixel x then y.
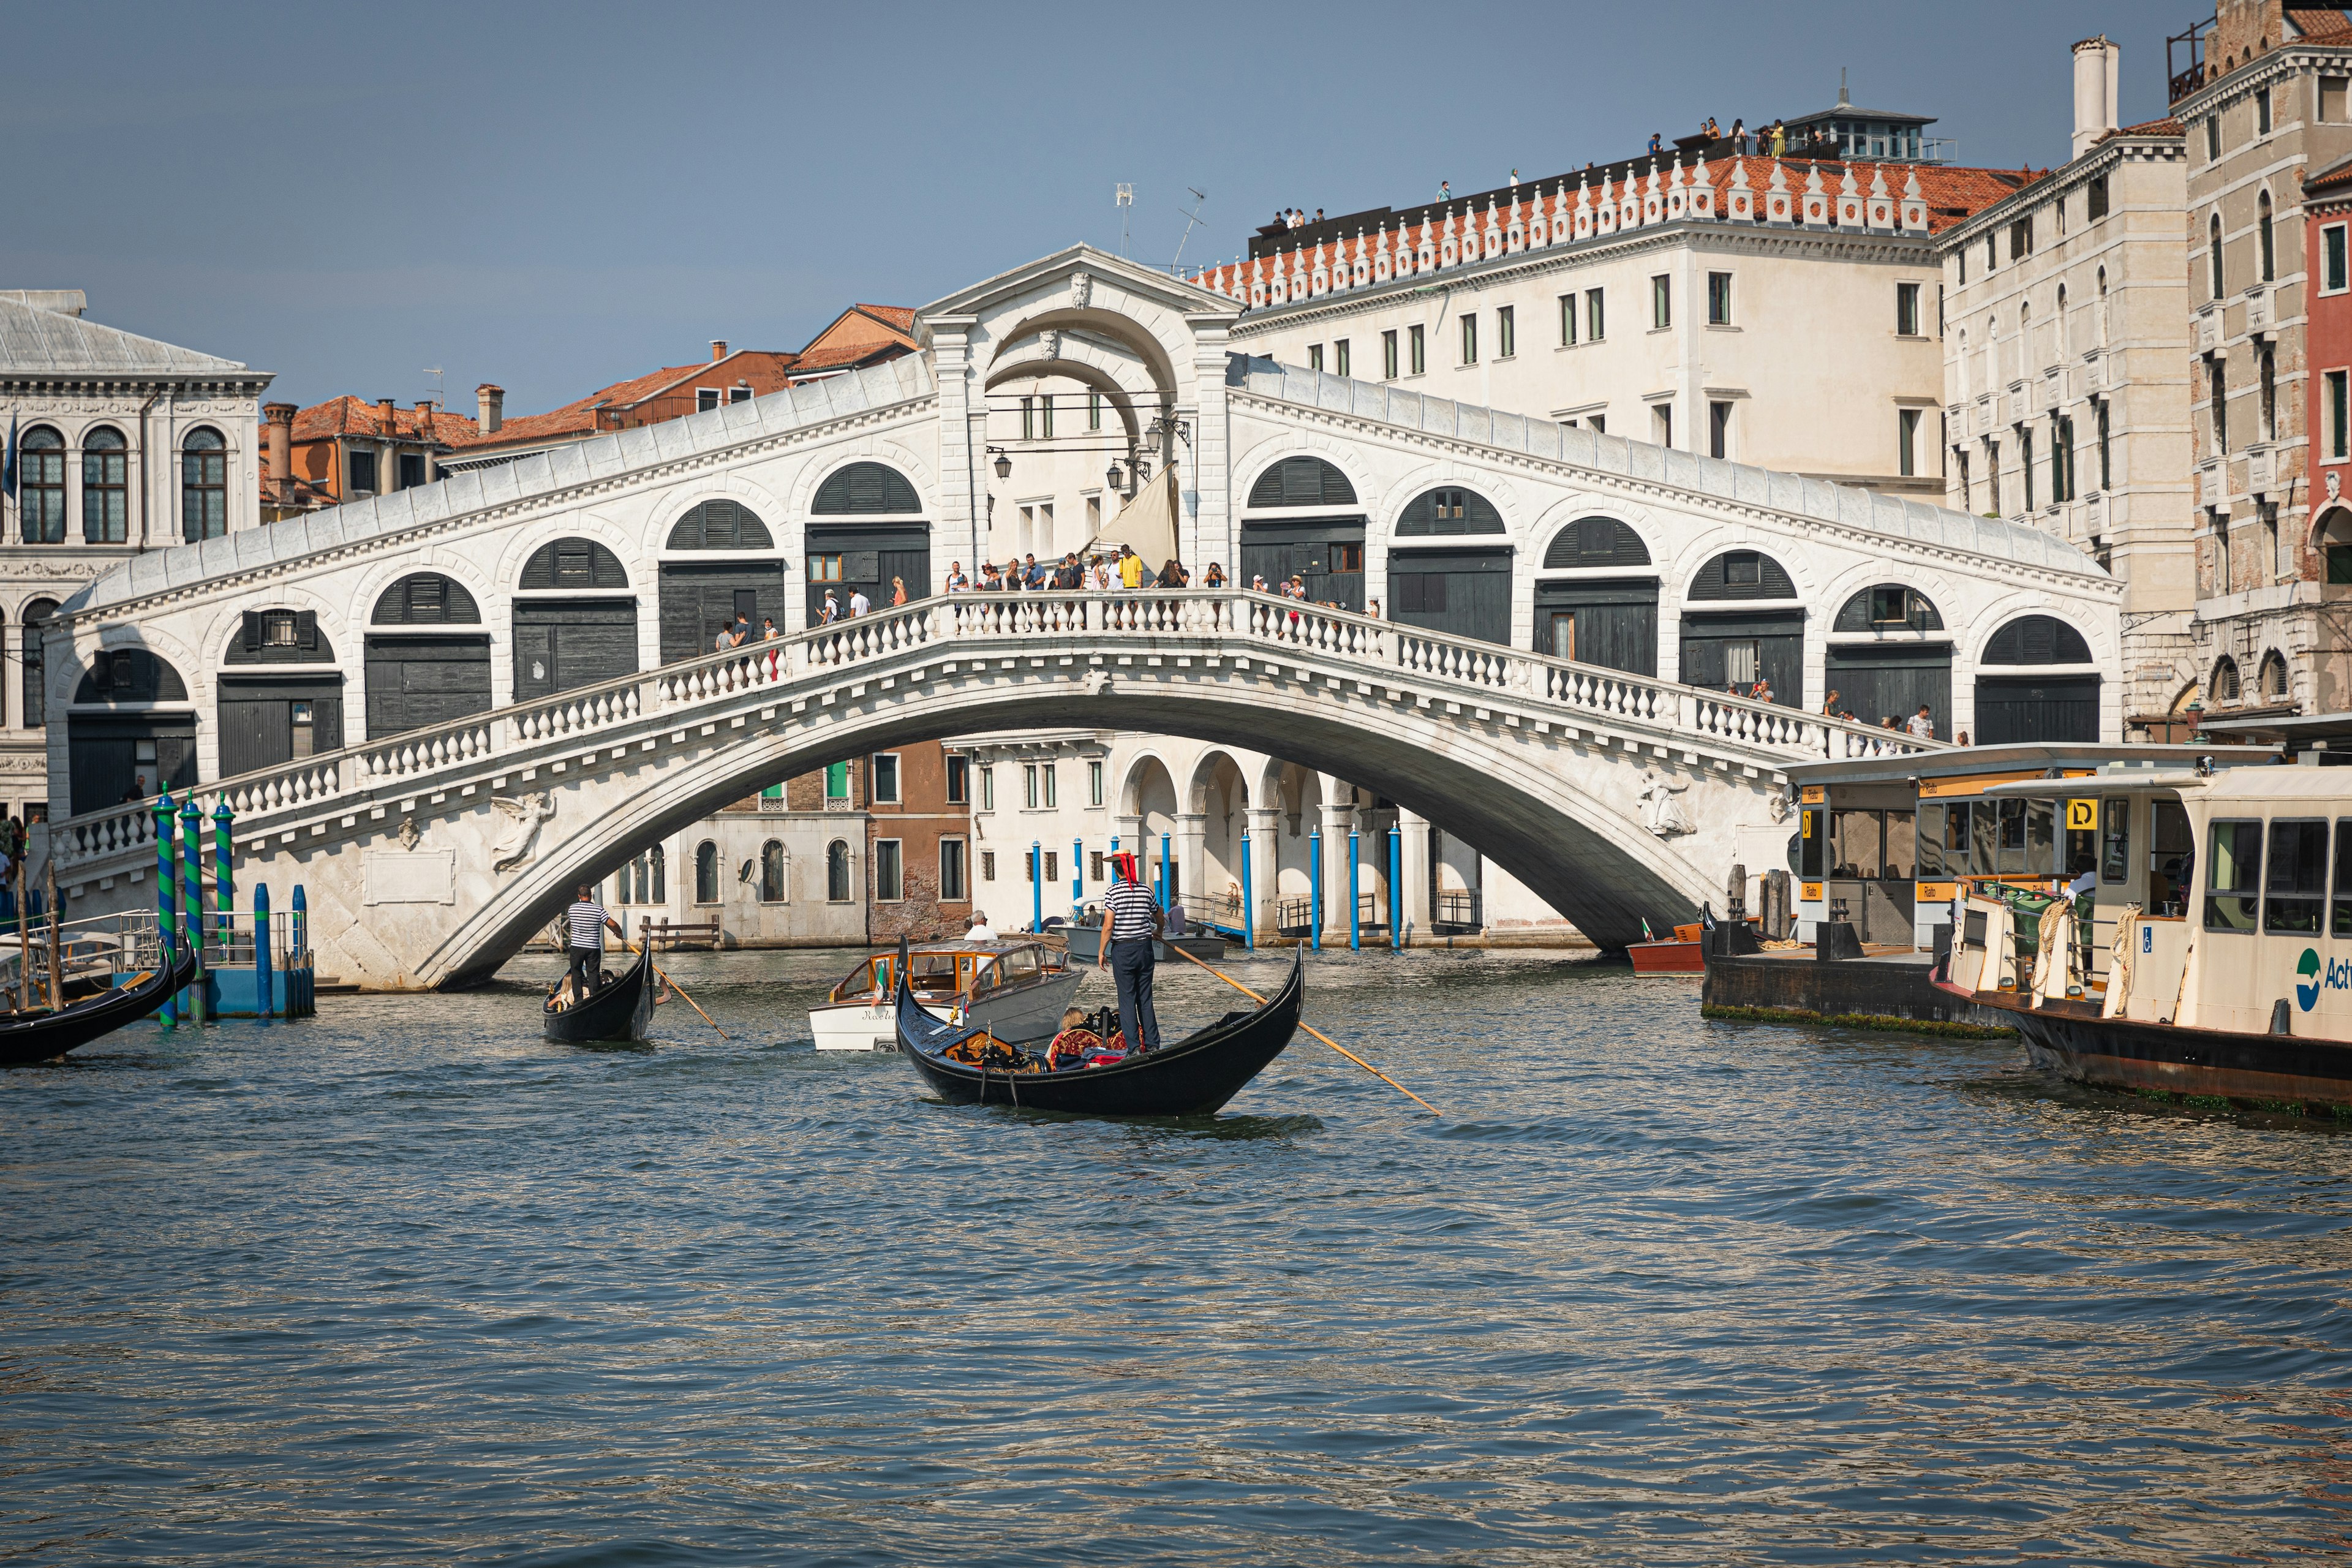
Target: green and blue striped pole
{"type": "Point", "coordinates": [192, 899]}
{"type": "Point", "coordinates": [167, 906]}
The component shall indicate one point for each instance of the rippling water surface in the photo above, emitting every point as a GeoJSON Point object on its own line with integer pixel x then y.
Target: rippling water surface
{"type": "Point", "coordinates": [406, 1284]}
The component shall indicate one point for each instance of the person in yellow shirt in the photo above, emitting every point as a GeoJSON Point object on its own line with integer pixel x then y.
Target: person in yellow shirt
{"type": "Point", "coordinates": [1130, 568]}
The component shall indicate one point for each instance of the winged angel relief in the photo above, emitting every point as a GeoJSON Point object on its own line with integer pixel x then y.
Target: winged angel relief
{"type": "Point", "coordinates": [524, 814]}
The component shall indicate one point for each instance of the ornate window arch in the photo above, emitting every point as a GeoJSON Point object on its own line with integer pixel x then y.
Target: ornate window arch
{"type": "Point", "coordinates": [2273, 683]}
{"type": "Point", "coordinates": [836, 872]}
{"type": "Point", "coordinates": [706, 872]}
{"type": "Point", "coordinates": [203, 485]}
{"type": "Point", "coordinates": [775, 873]}
{"type": "Point", "coordinates": [105, 486]}
{"type": "Point", "coordinates": [1448, 510]}
{"type": "Point", "coordinates": [1302, 482]}
{"type": "Point", "coordinates": [2224, 684]}
{"type": "Point", "coordinates": [1889, 606]}
{"type": "Point", "coordinates": [41, 487]}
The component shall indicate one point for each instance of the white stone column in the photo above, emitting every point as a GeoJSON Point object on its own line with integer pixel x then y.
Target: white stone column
{"type": "Point", "coordinates": [1210, 536]}
{"type": "Point", "coordinates": [1132, 840]}
{"type": "Point", "coordinates": [1338, 816]}
{"type": "Point", "coordinates": [1265, 865]}
{"type": "Point", "coordinates": [1188, 855]}
{"type": "Point", "coordinates": [1414, 854]}
{"type": "Point", "coordinates": [963, 502]}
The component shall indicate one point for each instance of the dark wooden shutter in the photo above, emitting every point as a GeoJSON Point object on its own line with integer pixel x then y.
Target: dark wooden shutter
{"type": "Point", "coordinates": [252, 631]}
{"type": "Point", "coordinates": [865, 488]}
{"type": "Point", "coordinates": [306, 630]}
{"type": "Point", "coordinates": [1595, 542]}
{"type": "Point", "coordinates": [414, 681]}
{"type": "Point", "coordinates": [1713, 582]}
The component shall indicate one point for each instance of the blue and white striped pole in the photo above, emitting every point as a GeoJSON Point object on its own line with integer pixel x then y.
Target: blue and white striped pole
{"type": "Point", "coordinates": [1077, 876]}
{"type": "Point", "coordinates": [1396, 889]}
{"type": "Point", "coordinates": [1355, 910]}
{"type": "Point", "coordinates": [1249, 905]}
{"type": "Point", "coordinates": [1314, 889]}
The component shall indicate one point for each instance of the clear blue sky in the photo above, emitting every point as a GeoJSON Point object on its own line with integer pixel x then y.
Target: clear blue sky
{"type": "Point", "coordinates": [556, 197]}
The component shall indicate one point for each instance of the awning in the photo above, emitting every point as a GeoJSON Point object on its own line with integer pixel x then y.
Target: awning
{"type": "Point", "coordinates": [1147, 524]}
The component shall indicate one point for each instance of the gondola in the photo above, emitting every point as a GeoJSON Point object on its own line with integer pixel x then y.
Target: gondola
{"type": "Point", "coordinates": [1194, 1076]}
{"type": "Point", "coordinates": [621, 1011]}
{"type": "Point", "coordinates": [42, 1036]}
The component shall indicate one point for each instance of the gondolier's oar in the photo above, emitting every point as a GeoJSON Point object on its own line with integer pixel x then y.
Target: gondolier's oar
{"type": "Point", "coordinates": [1318, 1033]}
{"type": "Point", "coordinates": [683, 997]}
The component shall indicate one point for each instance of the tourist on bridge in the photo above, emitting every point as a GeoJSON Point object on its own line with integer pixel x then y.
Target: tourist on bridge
{"type": "Point", "coordinates": [990, 582]}
{"type": "Point", "coordinates": [957, 582]}
{"type": "Point", "coordinates": [1131, 570]}
{"type": "Point", "coordinates": [1172, 574]}
{"type": "Point", "coordinates": [1214, 577]}
{"type": "Point", "coordinates": [898, 592]}
{"type": "Point", "coordinates": [832, 611]}
{"type": "Point", "coordinates": [1923, 723]}
{"type": "Point", "coordinates": [859, 605]}
{"type": "Point", "coordinates": [1102, 575]}
{"type": "Point", "coordinates": [586, 923]}
{"type": "Point", "coordinates": [1127, 951]}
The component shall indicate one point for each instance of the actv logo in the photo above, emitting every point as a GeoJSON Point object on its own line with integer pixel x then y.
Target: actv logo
{"type": "Point", "coordinates": [2337, 977]}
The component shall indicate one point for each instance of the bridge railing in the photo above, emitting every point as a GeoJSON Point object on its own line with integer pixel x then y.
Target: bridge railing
{"type": "Point", "coordinates": [1273, 623]}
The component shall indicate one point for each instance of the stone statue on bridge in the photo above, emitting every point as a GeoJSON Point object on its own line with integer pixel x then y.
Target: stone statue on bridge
{"type": "Point", "coordinates": [525, 813]}
{"type": "Point", "coordinates": [1661, 813]}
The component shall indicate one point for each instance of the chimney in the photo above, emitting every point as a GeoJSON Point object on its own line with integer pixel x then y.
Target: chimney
{"type": "Point", "coordinates": [492, 402]}
{"type": "Point", "coordinates": [2096, 65]}
{"type": "Point", "coordinates": [424, 412]}
{"type": "Point", "coordinates": [278, 439]}
{"type": "Point", "coordinates": [385, 422]}
{"type": "Point", "coordinates": [718, 349]}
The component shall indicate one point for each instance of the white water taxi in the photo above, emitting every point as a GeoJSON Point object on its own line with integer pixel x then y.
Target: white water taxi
{"type": "Point", "coordinates": [1017, 989]}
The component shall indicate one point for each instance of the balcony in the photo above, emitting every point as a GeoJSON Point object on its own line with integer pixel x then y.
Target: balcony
{"type": "Point", "coordinates": [2261, 309]}
{"type": "Point", "coordinates": [2262, 471]}
{"type": "Point", "coordinates": [2208, 327]}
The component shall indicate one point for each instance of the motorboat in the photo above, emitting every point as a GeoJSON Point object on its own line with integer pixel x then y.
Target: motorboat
{"type": "Point", "coordinates": [1015, 989]}
{"type": "Point", "coordinates": [1086, 944]}
{"type": "Point", "coordinates": [2202, 947]}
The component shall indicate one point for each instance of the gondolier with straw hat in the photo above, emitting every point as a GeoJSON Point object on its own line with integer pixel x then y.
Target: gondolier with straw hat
{"type": "Point", "coordinates": [1133, 916]}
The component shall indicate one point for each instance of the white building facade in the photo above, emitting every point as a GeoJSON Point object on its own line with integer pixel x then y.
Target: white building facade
{"type": "Point", "coordinates": [119, 445]}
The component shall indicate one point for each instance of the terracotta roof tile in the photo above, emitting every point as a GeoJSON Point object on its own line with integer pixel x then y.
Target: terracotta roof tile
{"type": "Point", "coordinates": [350, 415]}
{"type": "Point", "coordinates": [899, 316]}
{"type": "Point", "coordinates": [2149, 128]}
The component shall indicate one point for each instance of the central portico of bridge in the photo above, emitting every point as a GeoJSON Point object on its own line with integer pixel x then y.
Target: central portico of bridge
{"type": "Point", "coordinates": [574, 720]}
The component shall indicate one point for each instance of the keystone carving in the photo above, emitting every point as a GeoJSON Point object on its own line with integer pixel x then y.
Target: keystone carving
{"type": "Point", "coordinates": [525, 813]}
{"type": "Point", "coordinates": [1081, 288]}
{"type": "Point", "coordinates": [408, 833]}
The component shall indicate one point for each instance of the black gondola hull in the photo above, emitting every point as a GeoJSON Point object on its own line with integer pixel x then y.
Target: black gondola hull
{"type": "Point", "coordinates": [623, 1011]}
{"type": "Point", "coordinates": [1194, 1076]}
{"type": "Point", "coordinates": [47, 1036]}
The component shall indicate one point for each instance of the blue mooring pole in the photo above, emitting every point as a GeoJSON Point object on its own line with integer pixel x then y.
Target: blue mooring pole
{"type": "Point", "coordinates": [1163, 873]}
{"type": "Point", "coordinates": [1355, 908]}
{"type": "Point", "coordinates": [1249, 905]}
{"type": "Point", "coordinates": [1077, 876]}
{"type": "Point", "coordinates": [192, 899]}
{"type": "Point", "coordinates": [1036, 886]}
{"type": "Point", "coordinates": [298, 921]}
{"type": "Point", "coordinates": [167, 906]}
{"type": "Point", "coordinates": [261, 975]}
{"type": "Point", "coordinates": [1314, 889]}
{"type": "Point", "coordinates": [1396, 889]}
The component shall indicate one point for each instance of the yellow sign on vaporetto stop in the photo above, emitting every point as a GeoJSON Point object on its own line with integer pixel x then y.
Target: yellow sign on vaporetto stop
{"type": "Point", "coordinates": [2082, 815]}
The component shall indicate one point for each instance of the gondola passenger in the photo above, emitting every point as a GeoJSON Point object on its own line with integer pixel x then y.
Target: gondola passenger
{"type": "Point", "coordinates": [1076, 1042]}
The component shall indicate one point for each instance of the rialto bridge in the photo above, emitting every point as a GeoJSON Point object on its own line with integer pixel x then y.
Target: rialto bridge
{"type": "Point", "coordinates": [440, 709]}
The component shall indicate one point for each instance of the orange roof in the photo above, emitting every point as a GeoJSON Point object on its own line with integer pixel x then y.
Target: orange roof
{"type": "Point", "coordinates": [350, 416]}
{"type": "Point", "coordinates": [1952, 195]}
{"type": "Point", "coordinates": [580, 416]}
{"type": "Point", "coordinates": [899, 316]}
{"type": "Point", "coordinates": [2149, 128]}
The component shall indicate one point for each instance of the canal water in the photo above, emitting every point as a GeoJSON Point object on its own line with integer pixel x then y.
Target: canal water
{"type": "Point", "coordinates": [404, 1284]}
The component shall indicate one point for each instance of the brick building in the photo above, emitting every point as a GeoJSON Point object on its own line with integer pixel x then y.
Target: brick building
{"type": "Point", "coordinates": [346, 449]}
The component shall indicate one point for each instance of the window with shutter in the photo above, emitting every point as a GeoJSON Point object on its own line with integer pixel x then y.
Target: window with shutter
{"type": "Point", "coordinates": [865, 488]}
{"type": "Point", "coordinates": [573, 563]}
{"type": "Point", "coordinates": [2037, 639]}
{"type": "Point", "coordinates": [1595, 542]}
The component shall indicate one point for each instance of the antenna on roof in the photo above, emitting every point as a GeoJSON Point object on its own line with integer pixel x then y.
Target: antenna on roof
{"type": "Point", "coordinates": [440, 397]}
{"type": "Point", "coordinates": [1199, 198]}
{"type": "Point", "coordinates": [1124, 198]}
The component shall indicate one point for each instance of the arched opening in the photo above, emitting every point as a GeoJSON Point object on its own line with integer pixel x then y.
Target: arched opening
{"type": "Point", "coordinates": [131, 734]}
{"type": "Point", "coordinates": [2060, 704]}
{"type": "Point", "coordinates": [2224, 685]}
{"type": "Point", "coordinates": [706, 872]}
{"type": "Point", "coordinates": [2213, 254]}
{"type": "Point", "coordinates": [1733, 637]}
{"type": "Point", "coordinates": [41, 487]}
{"type": "Point", "coordinates": [203, 485]}
{"type": "Point", "coordinates": [702, 599]}
{"type": "Point", "coordinates": [269, 717]}
{"type": "Point", "coordinates": [421, 668]}
{"type": "Point", "coordinates": [35, 692]}
{"type": "Point", "coordinates": [1220, 797]}
{"type": "Point", "coordinates": [1599, 617]}
{"type": "Point", "coordinates": [872, 536]}
{"type": "Point", "coordinates": [836, 872]}
{"type": "Point", "coordinates": [1884, 660]}
{"type": "Point", "coordinates": [2272, 684]}
{"type": "Point", "coordinates": [574, 622]}
{"type": "Point", "coordinates": [775, 873]}
{"type": "Point", "coordinates": [1465, 590]}
{"type": "Point", "coordinates": [1316, 533]}
{"type": "Point", "coordinates": [2263, 239]}
{"type": "Point", "coordinates": [645, 879]}
{"type": "Point", "coordinates": [1150, 801]}
{"type": "Point", "coordinates": [2334, 541]}
{"type": "Point", "coordinates": [105, 486]}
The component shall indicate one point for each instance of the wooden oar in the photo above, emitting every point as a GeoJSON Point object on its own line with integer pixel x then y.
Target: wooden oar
{"type": "Point", "coordinates": [683, 997]}
{"type": "Point", "coordinates": [1317, 1033]}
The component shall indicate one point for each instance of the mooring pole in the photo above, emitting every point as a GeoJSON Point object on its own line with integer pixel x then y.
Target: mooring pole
{"type": "Point", "coordinates": [1355, 908]}
{"type": "Point", "coordinates": [167, 922]}
{"type": "Point", "coordinates": [56, 947]}
{"type": "Point", "coordinates": [1077, 876]}
{"type": "Point", "coordinates": [1396, 889]}
{"type": "Point", "coordinates": [1163, 873]}
{"type": "Point", "coordinates": [192, 899]}
{"type": "Point", "coordinates": [1314, 889]}
{"type": "Point", "coordinates": [1249, 905]}
{"type": "Point", "coordinates": [262, 980]}
{"type": "Point", "coordinates": [1036, 886]}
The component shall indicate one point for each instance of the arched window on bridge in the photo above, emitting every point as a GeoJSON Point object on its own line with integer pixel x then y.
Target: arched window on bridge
{"type": "Point", "coordinates": [35, 695]}
{"type": "Point", "coordinates": [836, 872]}
{"type": "Point", "coordinates": [887, 540]}
{"type": "Point", "coordinates": [422, 667]}
{"type": "Point", "coordinates": [775, 873]}
{"type": "Point", "coordinates": [575, 624]}
{"type": "Point", "coordinates": [2059, 702]}
{"type": "Point", "coordinates": [703, 596]}
{"type": "Point", "coordinates": [1461, 589]}
{"type": "Point", "coordinates": [706, 872]}
{"type": "Point", "coordinates": [269, 718]}
{"type": "Point", "coordinates": [1316, 535]}
{"type": "Point", "coordinates": [1607, 613]}
{"type": "Point", "coordinates": [1728, 648]}
{"type": "Point", "coordinates": [203, 485]}
{"type": "Point", "coordinates": [131, 733]}
{"type": "Point", "coordinates": [1884, 660]}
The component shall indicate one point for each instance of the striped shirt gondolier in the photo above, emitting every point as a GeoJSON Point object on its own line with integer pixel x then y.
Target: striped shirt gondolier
{"type": "Point", "coordinates": [588, 917]}
{"type": "Point", "coordinates": [1132, 907]}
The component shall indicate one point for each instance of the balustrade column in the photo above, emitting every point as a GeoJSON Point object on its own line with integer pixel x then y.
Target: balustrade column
{"type": "Point", "coordinates": [1416, 869]}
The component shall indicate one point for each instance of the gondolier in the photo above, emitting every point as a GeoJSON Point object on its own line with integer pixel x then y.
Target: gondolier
{"type": "Point", "coordinates": [586, 921]}
{"type": "Point", "coordinates": [1127, 952]}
